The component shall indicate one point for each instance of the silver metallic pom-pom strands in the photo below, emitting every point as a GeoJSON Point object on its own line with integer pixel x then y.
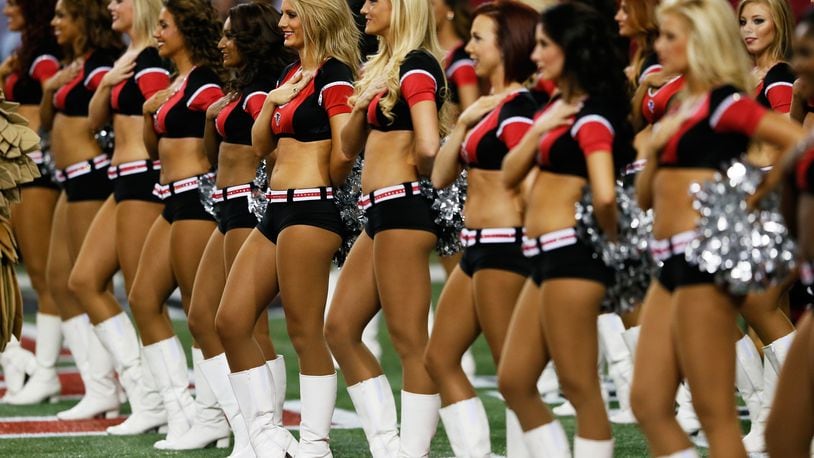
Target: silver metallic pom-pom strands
{"type": "Point", "coordinates": [346, 198]}
{"type": "Point", "coordinates": [206, 191]}
{"type": "Point", "coordinates": [746, 250]}
{"type": "Point", "coordinates": [448, 206]}
{"type": "Point", "coordinates": [258, 200]}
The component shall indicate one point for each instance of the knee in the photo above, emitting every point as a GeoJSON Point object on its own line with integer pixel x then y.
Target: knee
{"type": "Point", "coordinates": [339, 335]}
{"type": "Point", "coordinates": [230, 328]}
{"type": "Point", "coordinates": [437, 362]}
{"type": "Point", "coordinates": [81, 282]}
{"type": "Point", "coordinates": [408, 343]}
{"type": "Point", "coordinates": [513, 386]}
{"type": "Point", "coordinates": [578, 389]}
{"type": "Point", "coordinates": [200, 324]}
{"type": "Point", "coordinates": [304, 337]}
{"type": "Point", "coordinates": [646, 408]}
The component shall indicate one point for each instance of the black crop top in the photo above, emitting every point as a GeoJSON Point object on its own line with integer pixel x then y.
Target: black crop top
{"type": "Point", "coordinates": [716, 133]}
{"type": "Point", "coordinates": [183, 115]}
{"type": "Point", "coordinates": [775, 90]}
{"type": "Point", "coordinates": [420, 79]}
{"type": "Point", "coordinates": [150, 75]}
{"type": "Point", "coordinates": [498, 132]}
{"type": "Point", "coordinates": [596, 127]}
{"type": "Point", "coordinates": [234, 122]}
{"type": "Point", "coordinates": [25, 87]}
{"type": "Point", "coordinates": [73, 98]}
{"type": "Point", "coordinates": [306, 117]}
{"type": "Point", "coordinates": [460, 71]}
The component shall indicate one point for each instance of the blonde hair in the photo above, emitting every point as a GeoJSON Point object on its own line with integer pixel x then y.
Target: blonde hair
{"type": "Point", "coordinates": [642, 18]}
{"type": "Point", "coordinates": [145, 18]}
{"type": "Point", "coordinates": [783, 22]}
{"type": "Point", "coordinates": [715, 52]}
{"type": "Point", "coordinates": [329, 31]}
{"type": "Point", "coordinates": [412, 27]}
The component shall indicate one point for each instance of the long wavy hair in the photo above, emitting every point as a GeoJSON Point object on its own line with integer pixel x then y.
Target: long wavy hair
{"type": "Point", "coordinates": [642, 18]}
{"type": "Point", "coordinates": [37, 34]}
{"type": "Point", "coordinates": [329, 30]}
{"type": "Point", "coordinates": [715, 51]}
{"type": "Point", "coordinates": [584, 37]}
{"type": "Point", "coordinates": [783, 21]}
{"type": "Point", "coordinates": [198, 23]}
{"type": "Point", "coordinates": [257, 35]}
{"type": "Point", "coordinates": [411, 28]}
{"type": "Point", "coordinates": [94, 20]}
{"type": "Point", "coordinates": [145, 17]}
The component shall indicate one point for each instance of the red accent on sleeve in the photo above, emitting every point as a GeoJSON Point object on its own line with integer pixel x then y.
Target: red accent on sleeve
{"type": "Point", "coordinates": [464, 75]}
{"type": "Point", "coordinates": [10, 82]}
{"type": "Point", "coordinates": [254, 103]}
{"type": "Point", "coordinates": [514, 131]}
{"type": "Point", "coordinates": [741, 115]}
{"type": "Point", "coordinates": [779, 96]}
{"type": "Point", "coordinates": [418, 86]}
{"type": "Point", "coordinates": [151, 82]}
{"type": "Point", "coordinates": [594, 136]}
{"type": "Point", "coordinates": [44, 67]}
{"type": "Point", "coordinates": [95, 77]}
{"type": "Point", "coordinates": [203, 97]}
{"type": "Point", "coordinates": [335, 98]}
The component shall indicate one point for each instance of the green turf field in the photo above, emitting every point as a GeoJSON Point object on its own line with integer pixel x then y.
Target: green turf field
{"type": "Point", "coordinates": [344, 443]}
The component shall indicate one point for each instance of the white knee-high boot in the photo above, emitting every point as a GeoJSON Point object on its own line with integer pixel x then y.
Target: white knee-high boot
{"type": "Point", "coordinates": [686, 415]}
{"type": "Point", "coordinates": [467, 428]}
{"type": "Point", "coordinates": [419, 420]}
{"type": "Point", "coordinates": [318, 397]}
{"type": "Point", "coordinates": [168, 366]}
{"type": "Point", "coordinates": [17, 362]}
{"type": "Point", "coordinates": [216, 372]}
{"type": "Point", "coordinates": [749, 381]}
{"type": "Point", "coordinates": [515, 442]}
{"type": "Point", "coordinates": [44, 382]}
{"type": "Point", "coordinates": [589, 448]}
{"type": "Point", "coordinates": [376, 407]}
{"type": "Point", "coordinates": [620, 363]}
{"type": "Point", "coordinates": [279, 376]}
{"type": "Point", "coordinates": [548, 440]}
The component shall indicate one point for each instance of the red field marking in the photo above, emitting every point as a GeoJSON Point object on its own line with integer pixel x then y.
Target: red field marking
{"type": "Point", "coordinates": [36, 427]}
{"type": "Point", "coordinates": [29, 344]}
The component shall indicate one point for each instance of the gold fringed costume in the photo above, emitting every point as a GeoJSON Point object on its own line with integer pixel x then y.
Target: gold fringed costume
{"type": "Point", "coordinates": [16, 168]}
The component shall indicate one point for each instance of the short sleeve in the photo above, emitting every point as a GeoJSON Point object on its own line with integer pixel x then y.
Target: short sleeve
{"type": "Point", "coordinates": [150, 74]}
{"type": "Point", "coordinates": [253, 103]}
{"type": "Point", "coordinates": [462, 73]}
{"type": "Point", "coordinates": [734, 112]}
{"type": "Point", "coordinates": [336, 88]}
{"type": "Point", "coordinates": [515, 120]}
{"type": "Point", "coordinates": [207, 91]}
{"type": "Point", "coordinates": [94, 77]}
{"type": "Point", "coordinates": [420, 74]}
{"type": "Point", "coordinates": [593, 133]}
{"type": "Point", "coordinates": [44, 67]}
{"type": "Point", "coordinates": [778, 87]}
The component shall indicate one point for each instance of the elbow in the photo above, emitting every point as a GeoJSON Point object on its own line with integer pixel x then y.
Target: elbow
{"type": "Point", "coordinates": [605, 204]}
{"type": "Point", "coordinates": [426, 150]}
{"type": "Point", "coordinates": [96, 123]}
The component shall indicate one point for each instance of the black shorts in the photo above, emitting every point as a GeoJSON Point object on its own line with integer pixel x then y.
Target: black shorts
{"type": "Point", "coordinates": [135, 185]}
{"type": "Point", "coordinates": [409, 212]}
{"type": "Point", "coordinates": [572, 260]}
{"type": "Point", "coordinates": [235, 214]}
{"type": "Point", "coordinates": [501, 256]}
{"type": "Point", "coordinates": [93, 185]}
{"type": "Point", "coordinates": [45, 180]}
{"type": "Point", "coordinates": [321, 213]}
{"type": "Point", "coordinates": [677, 272]}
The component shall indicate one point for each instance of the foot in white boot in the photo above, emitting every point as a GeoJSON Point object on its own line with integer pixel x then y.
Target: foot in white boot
{"type": "Point", "coordinates": [318, 397]}
{"type": "Point", "coordinates": [515, 443]}
{"type": "Point", "coordinates": [566, 409]}
{"type": "Point", "coordinates": [467, 428]}
{"type": "Point", "coordinates": [620, 363]}
{"type": "Point", "coordinates": [278, 377]}
{"type": "Point", "coordinates": [376, 408]}
{"type": "Point", "coordinates": [589, 448]}
{"type": "Point", "coordinates": [17, 362]}
{"type": "Point", "coordinates": [548, 385]}
{"type": "Point", "coordinates": [687, 453]}
{"type": "Point", "coordinates": [118, 335]}
{"type": "Point", "coordinates": [686, 415]}
{"type": "Point", "coordinates": [631, 337]}
{"type": "Point", "coordinates": [749, 381]}
{"type": "Point", "coordinates": [468, 364]}
{"type": "Point", "coordinates": [44, 382]}
{"type": "Point", "coordinates": [547, 441]}
{"type": "Point", "coordinates": [370, 336]}
{"type": "Point", "coordinates": [419, 420]}
{"type": "Point", "coordinates": [209, 426]}
{"type": "Point", "coordinates": [216, 372]}
{"type": "Point", "coordinates": [254, 392]}
{"type": "Point", "coordinates": [168, 366]}
{"type": "Point", "coordinates": [96, 369]}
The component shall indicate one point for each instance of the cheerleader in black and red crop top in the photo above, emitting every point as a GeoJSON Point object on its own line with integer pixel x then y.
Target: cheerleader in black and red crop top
{"type": "Point", "coordinates": [582, 138]}
{"type": "Point", "coordinates": [452, 22]}
{"type": "Point", "coordinates": [710, 125]}
{"type": "Point", "coordinates": [492, 270]}
{"type": "Point", "coordinates": [174, 120]}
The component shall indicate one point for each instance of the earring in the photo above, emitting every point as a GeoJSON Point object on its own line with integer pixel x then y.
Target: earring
{"type": "Point", "coordinates": [451, 15]}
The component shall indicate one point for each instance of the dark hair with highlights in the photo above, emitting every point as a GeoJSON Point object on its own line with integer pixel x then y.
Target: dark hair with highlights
{"type": "Point", "coordinates": [591, 63]}
{"type": "Point", "coordinates": [515, 26]}
{"type": "Point", "coordinates": [95, 22]}
{"type": "Point", "coordinates": [257, 35]}
{"type": "Point", "coordinates": [198, 22]}
{"type": "Point", "coordinates": [37, 34]}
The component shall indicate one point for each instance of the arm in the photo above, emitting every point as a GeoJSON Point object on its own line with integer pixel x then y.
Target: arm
{"type": "Point", "coordinates": [777, 130]}
{"type": "Point", "coordinates": [467, 94]}
{"type": "Point", "coordinates": [447, 167]}
{"type": "Point", "coordinates": [354, 134]}
{"type": "Point", "coordinates": [263, 141]}
{"type": "Point", "coordinates": [427, 136]}
{"type": "Point", "coordinates": [99, 109]}
{"type": "Point", "coordinates": [47, 109]}
{"type": "Point", "coordinates": [150, 137]}
{"type": "Point", "coordinates": [211, 138]}
{"type": "Point", "coordinates": [644, 183]}
{"type": "Point", "coordinates": [341, 164]}
{"type": "Point", "coordinates": [601, 177]}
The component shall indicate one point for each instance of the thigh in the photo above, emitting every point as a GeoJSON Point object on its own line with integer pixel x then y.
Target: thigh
{"type": "Point", "coordinates": [355, 299]}
{"type": "Point", "coordinates": [58, 270]}
{"type": "Point", "coordinates": [31, 220]}
{"type": "Point", "coordinates": [232, 242]}
{"type": "Point", "coordinates": [97, 258]}
{"type": "Point", "coordinates": [134, 218]}
{"type": "Point", "coordinates": [80, 217]}
{"type": "Point", "coordinates": [210, 279]}
{"type": "Point", "coordinates": [456, 321]}
{"type": "Point", "coordinates": [154, 281]}
{"type": "Point", "coordinates": [188, 239]}
{"type": "Point", "coordinates": [496, 293]}
{"type": "Point", "coordinates": [524, 354]}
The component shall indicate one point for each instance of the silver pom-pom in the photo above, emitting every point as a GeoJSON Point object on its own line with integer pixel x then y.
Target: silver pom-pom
{"type": "Point", "coordinates": [629, 258]}
{"type": "Point", "coordinates": [746, 250]}
{"type": "Point", "coordinates": [206, 189]}
{"type": "Point", "coordinates": [346, 198]}
{"type": "Point", "coordinates": [106, 139]}
{"type": "Point", "coordinates": [448, 206]}
{"type": "Point", "coordinates": [258, 200]}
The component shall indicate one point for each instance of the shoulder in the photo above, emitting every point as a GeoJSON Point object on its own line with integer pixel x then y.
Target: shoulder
{"type": "Point", "coordinates": [334, 70]}
{"type": "Point", "coordinates": [203, 75]}
{"type": "Point", "coordinates": [725, 93]}
{"type": "Point", "coordinates": [101, 58]}
{"type": "Point", "coordinates": [420, 59]}
{"type": "Point", "coordinates": [521, 103]}
{"type": "Point", "coordinates": [148, 57]}
{"type": "Point", "coordinates": [780, 73]}
{"type": "Point", "coordinates": [261, 84]}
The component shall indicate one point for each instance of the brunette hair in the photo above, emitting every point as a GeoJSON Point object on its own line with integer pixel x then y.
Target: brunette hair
{"type": "Point", "coordinates": [95, 22]}
{"type": "Point", "coordinates": [37, 34]}
{"type": "Point", "coordinates": [515, 24]}
{"type": "Point", "coordinates": [461, 17]}
{"type": "Point", "coordinates": [642, 18]}
{"type": "Point", "coordinates": [198, 22]}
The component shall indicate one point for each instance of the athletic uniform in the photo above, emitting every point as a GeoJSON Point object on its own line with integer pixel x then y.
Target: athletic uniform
{"type": "Point", "coordinates": [460, 71]}
{"type": "Point", "coordinates": [775, 89]}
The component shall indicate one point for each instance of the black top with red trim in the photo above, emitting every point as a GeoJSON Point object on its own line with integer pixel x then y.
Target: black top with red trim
{"type": "Point", "coordinates": [460, 71]}
{"type": "Point", "coordinates": [183, 115]}
{"type": "Point", "coordinates": [775, 90]}
{"type": "Point", "coordinates": [306, 117]}
{"type": "Point", "coordinates": [716, 133]}
{"type": "Point", "coordinates": [804, 172]}
{"type": "Point", "coordinates": [498, 132]}
{"type": "Point", "coordinates": [73, 98]}
{"type": "Point", "coordinates": [25, 87]}
{"type": "Point", "coordinates": [420, 79]}
{"type": "Point", "coordinates": [656, 101]}
{"type": "Point", "coordinates": [150, 75]}
{"type": "Point", "coordinates": [650, 65]}
{"type": "Point", "coordinates": [235, 120]}
{"type": "Point", "coordinates": [543, 90]}
{"type": "Point", "coordinates": [597, 127]}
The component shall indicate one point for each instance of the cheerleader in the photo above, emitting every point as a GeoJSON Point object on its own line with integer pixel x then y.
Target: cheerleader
{"type": "Point", "coordinates": [580, 139]}
{"type": "Point", "coordinates": [23, 75]}
{"type": "Point", "coordinates": [292, 247]}
{"type": "Point", "coordinates": [482, 290]}
{"type": "Point", "coordinates": [452, 22]}
{"type": "Point", "coordinates": [82, 28]}
{"type": "Point", "coordinates": [252, 49]}
{"type": "Point", "coordinates": [685, 311]}
{"type": "Point", "coordinates": [395, 119]}
{"type": "Point", "coordinates": [174, 119]}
